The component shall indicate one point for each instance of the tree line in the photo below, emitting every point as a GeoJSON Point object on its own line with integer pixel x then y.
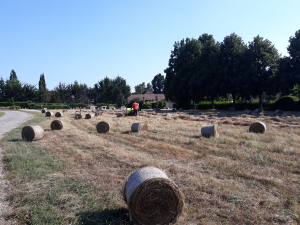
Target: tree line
{"type": "Point", "coordinates": [206, 69]}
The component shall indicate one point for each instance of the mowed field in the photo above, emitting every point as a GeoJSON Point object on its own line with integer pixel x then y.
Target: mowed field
{"type": "Point", "coordinates": [238, 178]}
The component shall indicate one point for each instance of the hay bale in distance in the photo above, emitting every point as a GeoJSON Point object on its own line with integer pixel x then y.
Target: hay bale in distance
{"type": "Point", "coordinates": [279, 112]}
{"type": "Point", "coordinates": [43, 111]}
{"type": "Point", "coordinates": [257, 110]}
{"type": "Point", "coordinates": [89, 116]}
{"type": "Point", "coordinates": [153, 198]}
{"type": "Point", "coordinates": [32, 133]}
{"type": "Point", "coordinates": [58, 114]}
{"type": "Point", "coordinates": [102, 127]}
{"type": "Point", "coordinates": [139, 126]}
{"type": "Point", "coordinates": [248, 112]}
{"type": "Point", "coordinates": [49, 114]}
{"type": "Point", "coordinates": [56, 125]}
{"type": "Point", "coordinates": [120, 114]}
{"type": "Point", "coordinates": [210, 130]}
{"type": "Point", "coordinates": [78, 116]}
{"type": "Point", "coordinates": [257, 127]}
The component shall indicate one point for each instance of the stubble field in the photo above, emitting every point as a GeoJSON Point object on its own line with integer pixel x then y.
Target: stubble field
{"type": "Point", "coordinates": [76, 175]}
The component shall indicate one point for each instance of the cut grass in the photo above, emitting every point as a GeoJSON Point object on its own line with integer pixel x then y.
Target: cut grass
{"type": "Point", "coordinates": [76, 175]}
{"type": "Point", "coordinates": [1, 114]}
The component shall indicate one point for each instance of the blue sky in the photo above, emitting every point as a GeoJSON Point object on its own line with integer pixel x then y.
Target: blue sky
{"type": "Point", "coordinates": [89, 40]}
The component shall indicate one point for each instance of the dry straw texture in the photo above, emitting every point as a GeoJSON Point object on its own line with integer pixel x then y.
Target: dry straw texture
{"type": "Point", "coordinates": [58, 114]}
{"type": "Point", "coordinates": [49, 114]}
{"type": "Point", "coordinates": [32, 133]}
{"type": "Point", "coordinates": [152, 197]}
{"type": "Point", "coordinates": [89, 116]}
{"type": "Point", "coordinates": [257, 127]}
{"type": "Point", "coordinates": [139, 126]}
{"type": "Point", "coordinates": [102, 127]}
{"type": "Point", "coordinates": [56, 125]}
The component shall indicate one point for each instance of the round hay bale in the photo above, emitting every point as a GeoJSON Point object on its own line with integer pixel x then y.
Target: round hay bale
{"type": "Point", "coordinates": [210, 130]}
{"type": "Point", "coordinates": [102, 127]}
{"type": "Point", "coordinates": [257, 110]}
{"type": "Point", "coordinates": [279, 112]}
{"type": "Point", "coordinates": [43, 111]}
{"type": "Point", "coordinates": [77, 112]}
{"type": "Point", "coordinates": [58, 114]}
{"type": "Point", "coordinates": [78, 116]}
{"type": "Point", "coordinates": [257, 127]}
{"type": "Point", "coordinates": [56, 125]}
{"type": "Point", "coordinates": [49, 114]}
{"type": "Point", "coordinates": [120, 114]}
{"type": "Point", "coordinates": [180, 109]}
{"type": "Point", "coordinates": [139, 126]}
{"type": "Point", "coordinates": [89, 116]}
{"type": "Point", "coordinates": [32, 133]}
{"type": "Point", "coordinates": [153, 198]}
{"type": "Point", "coordinates": [248, 112]}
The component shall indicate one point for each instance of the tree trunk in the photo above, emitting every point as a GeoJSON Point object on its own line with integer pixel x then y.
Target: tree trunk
{"type": "Point", "coordinates": [212, 102]}
{"type": "Point", "coordinates": [233, 100]}
{"type": "Point", "coordinates": [260, 102]}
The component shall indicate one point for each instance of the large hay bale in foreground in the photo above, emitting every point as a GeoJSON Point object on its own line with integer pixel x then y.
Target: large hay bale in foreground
{"type": "Point", "coordinates": [32, 133]}
{"type": "Point", "coordinates": [58, 114]}
{"type": "Point", "coordinates": [43, 111]}
{"type": "Point", "coordinates": [49, 114]}
{"type": "Point", "coordinates": [78, 116]}
{"type": "Point", "coordinates": [257, 127]}
{"type": "Point", "coordinates": [56, 125]}
{"type": "Point", "coordinates": [210, 131]}
{"type": "Point", "coordinates": [153, 198]}
{"type": "Point", "coordinates": [89, 116]}
{"type": "Point", "coordinates": [139, 126]}
{"type": "Point", "coordinates": [102, 127]}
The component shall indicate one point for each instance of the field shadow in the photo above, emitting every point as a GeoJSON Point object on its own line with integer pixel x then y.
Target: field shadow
{"type": "Point", "coordinates": [126, 132]}
{"type": "Point", "coordinates": [118, 216]}
{"type": "Point", "coordinates": [15, 140]}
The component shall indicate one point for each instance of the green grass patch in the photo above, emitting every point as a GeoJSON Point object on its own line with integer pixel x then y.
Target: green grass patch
{"type": "Point", "coordinates": [1, 114]}
{"type": "Point", "coordinates": [42, 191]}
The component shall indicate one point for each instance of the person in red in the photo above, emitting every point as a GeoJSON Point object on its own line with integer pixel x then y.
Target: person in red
{"type": "Point", "coordinates": [135, 107]}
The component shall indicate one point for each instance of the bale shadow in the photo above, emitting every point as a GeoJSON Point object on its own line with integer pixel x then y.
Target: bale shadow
{"type": "Point", "coordinates": [118, 216]}
{"type": "Point", "coordinates": [126, 132]}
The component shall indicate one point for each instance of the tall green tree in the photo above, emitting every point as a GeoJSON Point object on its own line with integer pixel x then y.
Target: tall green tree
{"type": "Point", "coordinates": [206, 81]}
{"type": "Point", "coordinates": [62, 93]}
{"type": "Point", "coordinates": [262, 60]}
{"type": "Point", "coordinates": [2, 89]}
{"type": "Point", "coordinates": [158, 84]}
{"type": "Point", "coordinates": [78, 92]}
{"type": "Point", "coordinates": [143, 87]}
{"type": "Point", "coordinates": [182, 68]}
{"type": "Point", "coordinates": [232, 68]}
{"type": "Point", "coordinates": [13, 75]}
{"type": "Point", "coordinates": [294, 51]}
{"type": "Point", "coordinates": [284, 80]}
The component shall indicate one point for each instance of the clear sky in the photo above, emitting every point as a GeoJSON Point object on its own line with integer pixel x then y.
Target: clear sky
{"type": "Point", "coordinates": [70, 40]}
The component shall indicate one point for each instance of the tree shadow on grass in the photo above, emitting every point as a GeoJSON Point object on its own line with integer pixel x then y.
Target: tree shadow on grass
{"type": "Point", "coordinates": [118, 216]}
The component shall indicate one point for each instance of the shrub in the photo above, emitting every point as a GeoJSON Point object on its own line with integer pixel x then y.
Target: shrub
{"type": "Point", "coordinates": [288, 103]}
{"type": "Point", "coordinates": [14, 107]}
{"type": "Point", "coordinates": [146, 105]}
{"type": "Point", "coordinates": [74, 105]}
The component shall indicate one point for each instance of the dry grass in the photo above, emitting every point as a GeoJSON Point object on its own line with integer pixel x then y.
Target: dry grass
{"type": "Point", "coordinates": [238, 178]}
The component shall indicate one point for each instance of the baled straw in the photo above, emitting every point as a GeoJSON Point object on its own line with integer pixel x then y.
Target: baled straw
{"type": "Point", "coordinates": [120, 114]}
{"type": "Point", "coordinates": [153, 198]}
{"type": "Point", "coordinates": [210, 130]}
{"type": "Point", "coordinates": [257, 127]}
{"type": "Point", "coordinates": [78, 116]}
{"type": "Point", "coordinates": [58, 114]}
{"type": "Point", "coordinates": [32, 133]}
{"type": "Point", "coordinates": [89, 116]}
{"type": "Point", "coordinates": [102, 127]}
{"type": "Point", "coordinates": [49, 114]}
{"type": "Point", "coordinates": [43, 111]}
{"type": "Point", "coordinates": [139, 126]}
{"type": "Point", "coordinates": [57, 125]}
